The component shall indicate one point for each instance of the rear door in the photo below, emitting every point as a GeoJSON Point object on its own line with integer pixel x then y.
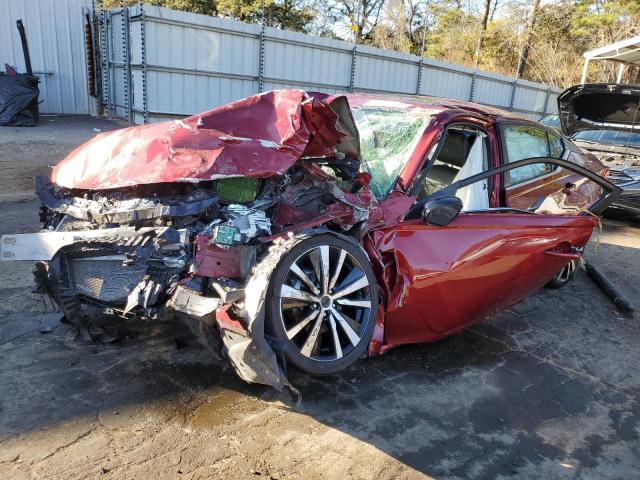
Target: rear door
{"type": "Point", "coordinates": [526, 187]}
{"type": "Point", "coordinates": [484, 261]}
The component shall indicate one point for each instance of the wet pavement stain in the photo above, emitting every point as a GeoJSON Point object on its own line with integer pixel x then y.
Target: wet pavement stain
{"type": "Point", "coordinates": [223, 408]}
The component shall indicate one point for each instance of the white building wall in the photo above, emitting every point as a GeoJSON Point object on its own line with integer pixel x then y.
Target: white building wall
{"type": "Point", "coordinates": [56, 42]}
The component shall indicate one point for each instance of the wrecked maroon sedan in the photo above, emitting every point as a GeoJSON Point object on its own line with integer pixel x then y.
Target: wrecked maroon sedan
{"type": "Point", "coordinates": [313, 228]}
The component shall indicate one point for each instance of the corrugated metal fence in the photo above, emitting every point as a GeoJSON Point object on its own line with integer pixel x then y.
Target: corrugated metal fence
{"type": "Point", "coordinates": [156, 63]}
{"type": "Point", "coordinates": [56, 42]}
{"type": "Point", "coordinates": [164, 63]}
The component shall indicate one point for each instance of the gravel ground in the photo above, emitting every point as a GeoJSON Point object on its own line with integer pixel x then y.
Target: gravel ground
{"type": "Point", "coordinates": [548, 389]}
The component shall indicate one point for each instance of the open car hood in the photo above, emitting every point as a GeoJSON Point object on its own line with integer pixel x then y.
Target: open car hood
{"type": "Point", "coordinates": [599, 106]}
{"type": "Point", "coordinates": [258, 136]}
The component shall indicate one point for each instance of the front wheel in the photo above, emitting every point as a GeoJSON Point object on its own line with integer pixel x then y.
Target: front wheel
{"type": "Point", "coordinates": [322, 304]}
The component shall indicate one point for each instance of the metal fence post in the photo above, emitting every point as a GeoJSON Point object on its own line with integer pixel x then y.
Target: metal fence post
{"type": "Point", "coordinates": [96, 5]}
{"type": "Point", "coordinates": [126, 67]}
{"type": "Point", "coordinates": [472, 90]}
{"type": "Point", "coordinates": [512, 100]}
{"type": "Point", "coordinates": [261, 59]}
{"type": "Point", "coordinates": [143, 64]}
{"type": "Point", "coordinates": [106, 67]}
{"type": "Point", "coordinates": [419, 81]}
{"type": "Point", "coordinates": [546, 100]}
{"type": "Point", "coordinates": [352, 78]}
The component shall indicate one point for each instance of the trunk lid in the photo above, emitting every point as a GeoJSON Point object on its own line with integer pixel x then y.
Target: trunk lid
{"type": "Point", "coordinates": [599, 106]}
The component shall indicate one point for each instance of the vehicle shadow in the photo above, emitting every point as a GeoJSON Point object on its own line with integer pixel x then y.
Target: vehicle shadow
{"type": "Point", "coordinates": [524, 392]}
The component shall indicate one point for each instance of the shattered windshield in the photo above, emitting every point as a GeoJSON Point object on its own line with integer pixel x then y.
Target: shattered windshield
{"type": "Point", "coordinates": [387, 139]}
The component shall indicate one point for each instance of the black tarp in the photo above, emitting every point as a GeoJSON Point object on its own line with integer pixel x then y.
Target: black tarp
{"type": "Point", "coordinates": [18, 100]}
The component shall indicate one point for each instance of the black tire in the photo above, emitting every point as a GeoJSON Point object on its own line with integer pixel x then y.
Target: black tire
{"type": "Point", "coordinates": [336, 318]}
{"type": "Point", "coordinates": [564, 276]}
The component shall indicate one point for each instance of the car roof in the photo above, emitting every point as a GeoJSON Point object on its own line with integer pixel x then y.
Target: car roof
{"type": "Point", "coordinates": [436, 104]}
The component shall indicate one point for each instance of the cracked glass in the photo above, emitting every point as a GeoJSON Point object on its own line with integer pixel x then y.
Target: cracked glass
{"type": "Point", "coordinates": [387, 140]}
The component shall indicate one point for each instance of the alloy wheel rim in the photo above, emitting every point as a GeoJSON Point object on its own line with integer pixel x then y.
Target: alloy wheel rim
{"type": "Point", "coordinates": [325, 303]}
{"type": "Point", "coordinates": [567, 272]}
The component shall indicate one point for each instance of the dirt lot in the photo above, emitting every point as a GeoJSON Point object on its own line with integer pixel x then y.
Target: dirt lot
{"type": "Point", "coordinates": [548, 389]}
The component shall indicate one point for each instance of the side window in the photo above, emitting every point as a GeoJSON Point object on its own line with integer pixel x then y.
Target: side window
{"type": "Point", "coordinates": [463, 152]}
{"type": "Point", "coordinates": [524, 141]}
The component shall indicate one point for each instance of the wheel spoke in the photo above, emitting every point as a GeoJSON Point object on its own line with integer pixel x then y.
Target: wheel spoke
{"type": "Point", "coordinates": [312, 339]}
{"type": "Point", "coordinates": [358, 284]}
{"type": "Point", "coordinates": [566, 272]}
{"type": "Point", "coordinates": [314, 256]}
{"type": "Point", "coordinates": [336, 274]}
{"type": "Point", "coordinates": [336, 339]}
{"type": "Point", "coordinates": [287, 291]}
{"type": "Point", "coordinates": [292, 332]}
{"type": "Point", "coordinates": [324, 263]}
{"type": "Point", "coordinates": [303, 276]}
{"type": "Point", "coordinates": [353, 336]}
{"type": "Point", "coordinates": [354, 303]}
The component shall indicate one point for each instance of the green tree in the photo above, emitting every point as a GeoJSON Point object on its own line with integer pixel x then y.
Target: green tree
{"type": "Point", "coordinates": [293, 15]}
{"type": "Point", "coordinates": [543, 41]}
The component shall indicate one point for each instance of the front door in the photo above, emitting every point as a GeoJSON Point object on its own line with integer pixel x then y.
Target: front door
{"type": "Point", "coordinates": [481, 263]}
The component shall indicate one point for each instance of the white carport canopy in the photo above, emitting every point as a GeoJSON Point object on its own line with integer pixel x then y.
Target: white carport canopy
{"type": "Point", "coordinates": [625, 52]}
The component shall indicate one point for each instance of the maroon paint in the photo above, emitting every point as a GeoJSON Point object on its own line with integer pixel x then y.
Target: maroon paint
{"type": "Point", "coordinates": [227, 321]}
{"type": "Point", "coordinates": [213, 261]}
{"type": "Point", "coordinates": [259, 136]}
{"type": "Point", "coordinates": [432, 281]}
{"type": "Point", "coordinates": [448, 278]}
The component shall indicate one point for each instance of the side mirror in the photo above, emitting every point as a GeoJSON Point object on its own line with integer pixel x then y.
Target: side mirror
{"type": "Point", "coordinates": [441, 211]}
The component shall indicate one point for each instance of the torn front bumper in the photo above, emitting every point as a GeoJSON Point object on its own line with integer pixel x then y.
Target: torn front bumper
{"type": "Point", "coordinates": [150, 271]}
{"type": "Point", "coordinates": [115, 270]}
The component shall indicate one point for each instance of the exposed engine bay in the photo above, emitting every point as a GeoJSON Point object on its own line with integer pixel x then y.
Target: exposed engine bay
{"type": "Point", "coordinates": [614, 159]}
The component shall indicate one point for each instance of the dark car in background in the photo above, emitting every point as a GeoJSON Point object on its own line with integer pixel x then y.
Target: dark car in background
{"type": "Point", "coordinates": [604, 119]}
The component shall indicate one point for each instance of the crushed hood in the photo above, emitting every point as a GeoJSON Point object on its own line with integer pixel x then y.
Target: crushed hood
{"type": "Point", "coordinates": [599, 106]}
{"type": "Point", "coordinates": [258, 136]}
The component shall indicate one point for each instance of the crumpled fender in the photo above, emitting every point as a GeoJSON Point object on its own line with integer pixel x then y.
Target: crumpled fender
{"type": "Point", "coordinates": [254, 359]}
{"type": "Point", "coordinates": [259, 136]}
